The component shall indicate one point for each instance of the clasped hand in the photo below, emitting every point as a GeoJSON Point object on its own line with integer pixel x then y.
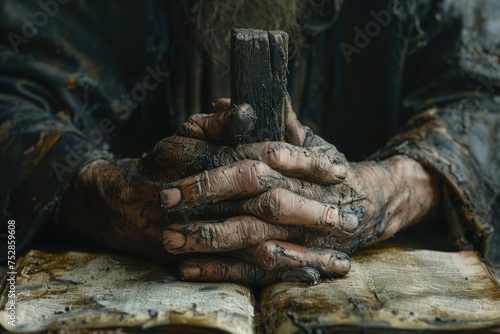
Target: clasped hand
{"type": "Point", "coordinates": [260, 212]}
{"type": "Point", "coordinates": [286, 206]}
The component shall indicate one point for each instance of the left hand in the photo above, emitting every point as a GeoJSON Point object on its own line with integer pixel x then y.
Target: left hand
{"type": "Point", "coordinates": [385, 196]}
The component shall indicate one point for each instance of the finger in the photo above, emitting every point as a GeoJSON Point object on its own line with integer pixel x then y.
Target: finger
{"type": "Point", "coordinates": [228, 127]}
{"type": "Point", "coordinates": [281, 206]}
{"type": "Point", "coordinates": [227, 269]}
{"type": "Point", "coordinates": [222, 236]}
{"type": "Point", "coordinates": [241, 179]}
{"type": "Point", "coordinates": [175, 157]}
{"type": "Point", "coordinates": [349, 209]}
{"type": "Point", "coordinates": [212, 126]}
{"type": "Point", "coordinates": [298, 134]}
{"type": "Point", "coordinates": [296, 161]}
{"type": "Point", "coordinates": [278, 255]}
{"type": "Point", "coordinates": [287, 212]}
{"type": "Point", "coordinates": [295, 132]}
{"type": "Point", "coordinates": [270, 255]}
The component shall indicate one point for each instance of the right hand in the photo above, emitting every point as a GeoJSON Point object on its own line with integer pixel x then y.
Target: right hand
{"type": "Point", "coordinates": [267, 215]}
{"type": "Point", "coordinates": [254, 230]}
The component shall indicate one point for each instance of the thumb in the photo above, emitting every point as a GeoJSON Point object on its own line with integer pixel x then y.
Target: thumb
{"type": "Point", "coordinates": [226, 127]}
{"type": "Point", "coordinates": [295, 132]}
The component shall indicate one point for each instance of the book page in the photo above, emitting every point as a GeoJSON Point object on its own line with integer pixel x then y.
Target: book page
{"type": "Point", "coordinates": [78, 290]}
{"type": "Point", "coordinates": [391, 288]}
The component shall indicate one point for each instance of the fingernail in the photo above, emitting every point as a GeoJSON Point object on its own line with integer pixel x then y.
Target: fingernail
{"type": "Point", "coordinates": [337, 265]}
{"type": "Point", "coordinates": [351, 223]}
{"type": "Point", "coordinates": [340, 171]}
{"type": "Point", "coordinates": [173, 240]}
{"type": "Point", "coordinates": [191, 272]}
{"type": "Point", "coordinates": [342, 267]}
{"type": "Point", "coordinates": [170, 197]}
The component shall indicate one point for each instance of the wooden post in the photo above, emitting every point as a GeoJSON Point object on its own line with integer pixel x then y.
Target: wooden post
{"type": "Point", "coordinates": [259, 62]}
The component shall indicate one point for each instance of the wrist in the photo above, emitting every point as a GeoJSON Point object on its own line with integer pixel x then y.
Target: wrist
{"type": "Point", "coordinates": [417, 192]}
{"type": "Point", "coordinates": [399, 192]}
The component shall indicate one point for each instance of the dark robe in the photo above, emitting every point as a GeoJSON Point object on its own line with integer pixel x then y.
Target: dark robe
{"type": "Point", "coordinates": [86, 80]}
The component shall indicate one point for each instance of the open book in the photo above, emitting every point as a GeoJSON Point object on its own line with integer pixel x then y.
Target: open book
{"type": "Point", "coordinates": [385, 289]}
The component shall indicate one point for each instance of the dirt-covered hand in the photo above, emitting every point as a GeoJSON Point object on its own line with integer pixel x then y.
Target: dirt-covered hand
{"type": "Point", "coordinates": [203, 199]}
{"type": "Point", "coordinates": [117, 203]}
{"type": "Point", "coordinates": [262, 212]}
{"type": "Point", "coordinates": [397, 192]}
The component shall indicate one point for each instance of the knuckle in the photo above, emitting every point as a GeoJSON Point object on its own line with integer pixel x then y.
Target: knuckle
{"type": "Point", "coordinates": [249, 272]}
{"type": "Point", "coordinates": [214, 236]}
{"type": "Point", "coordinates": [268, 256]}
{"type": "Point", "coordinates": [271, 204]}
{"type": "Point", "coordinates": [253, 231]}
{"type": "Point", "coordinates": [205, 236]}
{"type": "Point", "coordinates": [275, 146]}
{"type": "Point", "coordinates": [245, 165]}
{"type": "Point", "coordinates": [221, 271]}
{"type": "Point", "coordinates": [225, 155]}
{"type": "Point", "coordinates": [321, 163]}
{"type": "Point", "coordinates": [194, 118]}
{"type": "Point", "coordinates": [276, 153]}
{"type": "Point", "coordinates": [251, 175]}
{"type": "Point", "coordinates": [261, 168]}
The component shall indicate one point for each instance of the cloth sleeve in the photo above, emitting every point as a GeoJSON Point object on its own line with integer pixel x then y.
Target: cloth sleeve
{"type": "Point", "coordinates": [433, 66]}
{"type": "Point", "coordinates": [41, 152]}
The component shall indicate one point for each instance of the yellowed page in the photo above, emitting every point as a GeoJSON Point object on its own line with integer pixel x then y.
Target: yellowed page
{"type": "Point", "coordinates": [78, 290]}
{"type": "Point", "coordinates": [391, 288]}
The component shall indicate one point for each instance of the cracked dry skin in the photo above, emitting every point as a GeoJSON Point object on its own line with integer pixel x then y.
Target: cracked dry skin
{"type": "Point", "coordinates": [434, 69]}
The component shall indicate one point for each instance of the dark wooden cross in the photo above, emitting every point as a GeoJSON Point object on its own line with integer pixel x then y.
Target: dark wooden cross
{"type": "Point", "coordinates": [259, 62]}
